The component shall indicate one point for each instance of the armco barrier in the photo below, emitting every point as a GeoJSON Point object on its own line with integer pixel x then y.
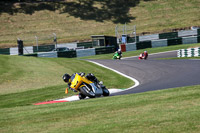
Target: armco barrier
{"type": "Point", "coordinates": [14, 51]}
{"type": "Point", "coordinates": [189, 40]}
{"type": "Point", "coordinates": [159, 43]}
{"type": "Point", "coordinates": [191, 52]}
{"type": "Point", "coordinates": [67, 54]}
{"type": "Point", "coordinates": [143, 45]}
{"type": "Point", "coordinates": [185, 33]}
{"type": "Point", "coordinates": [104, 50]}
{"type": "Point", "coordinates": [131, 47]}
{"type": "Point", "coordinates": [168, 35]}
{"type": "Point", "coordinates": [132, 39]}
{"type": "Point", "coordinates": [28, 50]}
{"type": "Point", "coordinates": [48, 54]}
{"type": "Point", "coordinates": [68, 45]}
{"type": "Point", "coordinates": [174, 41]}
{"type": "Point", "coordinates": [139, 45]}
{"type": "Point", "coordinates": [148, 37]}
{"type": "Point", "coordinates": [5, 51]}
{"type": "Point", "coordinates": [85, 44]}
{"type": "Point", "coordinates": [45, 48]}
{"type": "Point", "coordinates": [198, 32]}
{"type": "Point", "coordinates": [198, 39]}
{"type": "Point", "coordinates": [85, 52]}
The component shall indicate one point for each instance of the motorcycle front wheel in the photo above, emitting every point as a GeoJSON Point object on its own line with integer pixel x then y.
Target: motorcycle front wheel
{"type": "Point", "coordinates": [84, 92]}
{"type": "Point", "coordinates": [81, 96]}
{"type": "Point", "coordinates": [105, 92]}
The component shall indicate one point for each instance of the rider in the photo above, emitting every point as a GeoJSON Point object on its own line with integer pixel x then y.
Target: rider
{"type": "Point", "coordinates": [119, 52]}
{"type": "Point", "coordinates": [145, 55]}
{"type": "Point", "coordinates": [68, 79]}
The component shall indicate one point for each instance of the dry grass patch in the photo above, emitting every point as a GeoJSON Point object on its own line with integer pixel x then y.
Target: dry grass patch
{"type": "Point", "coordinates": [71, 25]}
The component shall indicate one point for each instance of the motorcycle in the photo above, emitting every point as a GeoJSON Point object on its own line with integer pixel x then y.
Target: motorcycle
{"type": "Point", "coordinates": [143, 56]}
{"type": "Point", "coordinates": [116, 56]}
{"type": "Point", "coordinates": [87, 88]}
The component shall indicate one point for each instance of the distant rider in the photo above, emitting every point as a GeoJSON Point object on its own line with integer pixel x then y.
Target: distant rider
{"type": "Point", "coordinates": [143, 55]}
{"type": "Point", "coordinates": [119, 52]}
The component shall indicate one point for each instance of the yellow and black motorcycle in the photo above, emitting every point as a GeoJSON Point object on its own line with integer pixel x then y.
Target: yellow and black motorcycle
{"type": "Point", "coordinates": [87, 88]}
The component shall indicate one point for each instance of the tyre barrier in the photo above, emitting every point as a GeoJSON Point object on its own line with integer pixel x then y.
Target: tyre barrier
{"type": "Point", "coordinates": [191, 52]}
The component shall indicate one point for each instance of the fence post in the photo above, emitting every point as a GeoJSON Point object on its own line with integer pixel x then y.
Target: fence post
{"type": "Point", "coordinates": [55, 39]}
{"type": "Point", "coordinates": [20, 46]}
{"type": "Point", "coordinates": [36, 42]}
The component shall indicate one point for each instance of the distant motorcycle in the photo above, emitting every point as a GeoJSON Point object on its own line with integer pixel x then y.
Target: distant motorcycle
{"type": "Point", "coordinates": [143, 56]}
{"type": "Point", "coordinates": [117, 56]}
{"type": "Point", "coordinates": [88, 88]}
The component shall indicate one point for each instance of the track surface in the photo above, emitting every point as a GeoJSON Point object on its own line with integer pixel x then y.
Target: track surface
{"type": "Point", "coordinates": [156, 74]}
{"type": "Point", "coordinates": [152, 74]}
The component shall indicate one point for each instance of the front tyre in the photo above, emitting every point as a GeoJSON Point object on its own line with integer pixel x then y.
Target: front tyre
{"type": "Point", "coordinates": [83, 91]}
{"type": "Point", "coordinates": [105, 92]}
{"type": "Point", "coordinates": [81, 96]}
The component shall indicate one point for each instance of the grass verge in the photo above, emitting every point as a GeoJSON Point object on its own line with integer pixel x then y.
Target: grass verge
{"type": "Point", "coordinates": [170, 110]}
{"type": "Point", "coordinates": [18, 74]}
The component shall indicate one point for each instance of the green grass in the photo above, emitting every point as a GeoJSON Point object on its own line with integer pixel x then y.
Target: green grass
{"type": "Point", "coordinates": [18, 74]}
{"type": "Point", "coordinates": [74, 22]}
{"type": "Point", "coordinates": [28, 80]}
{"type": "Point", "coordinates": [171, 110]}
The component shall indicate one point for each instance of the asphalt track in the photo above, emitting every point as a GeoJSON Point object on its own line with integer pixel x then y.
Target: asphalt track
{"type": "Point", "coordinates": [154, 74]}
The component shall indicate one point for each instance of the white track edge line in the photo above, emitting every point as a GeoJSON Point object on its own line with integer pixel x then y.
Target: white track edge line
{"type": "Point", "coordinates": [150, 54]}
{"type": "Point", "coordinates": [75, 98]}
{"type": "Point", "coordinates": [133, 79]}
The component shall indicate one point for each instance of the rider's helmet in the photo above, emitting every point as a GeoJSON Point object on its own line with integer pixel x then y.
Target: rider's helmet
{"type": "Point", "coordinates": [119, 49]}
{"type": "Point", "coordinates": [66, 77]}
{"type": "Point", "coordinates": [145, 51]}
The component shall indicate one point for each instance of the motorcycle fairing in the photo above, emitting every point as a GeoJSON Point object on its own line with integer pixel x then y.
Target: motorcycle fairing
{"type": "Point", "coordinates": [96, 90]}
{"type": "Point", "coordinates": [77, 81]}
